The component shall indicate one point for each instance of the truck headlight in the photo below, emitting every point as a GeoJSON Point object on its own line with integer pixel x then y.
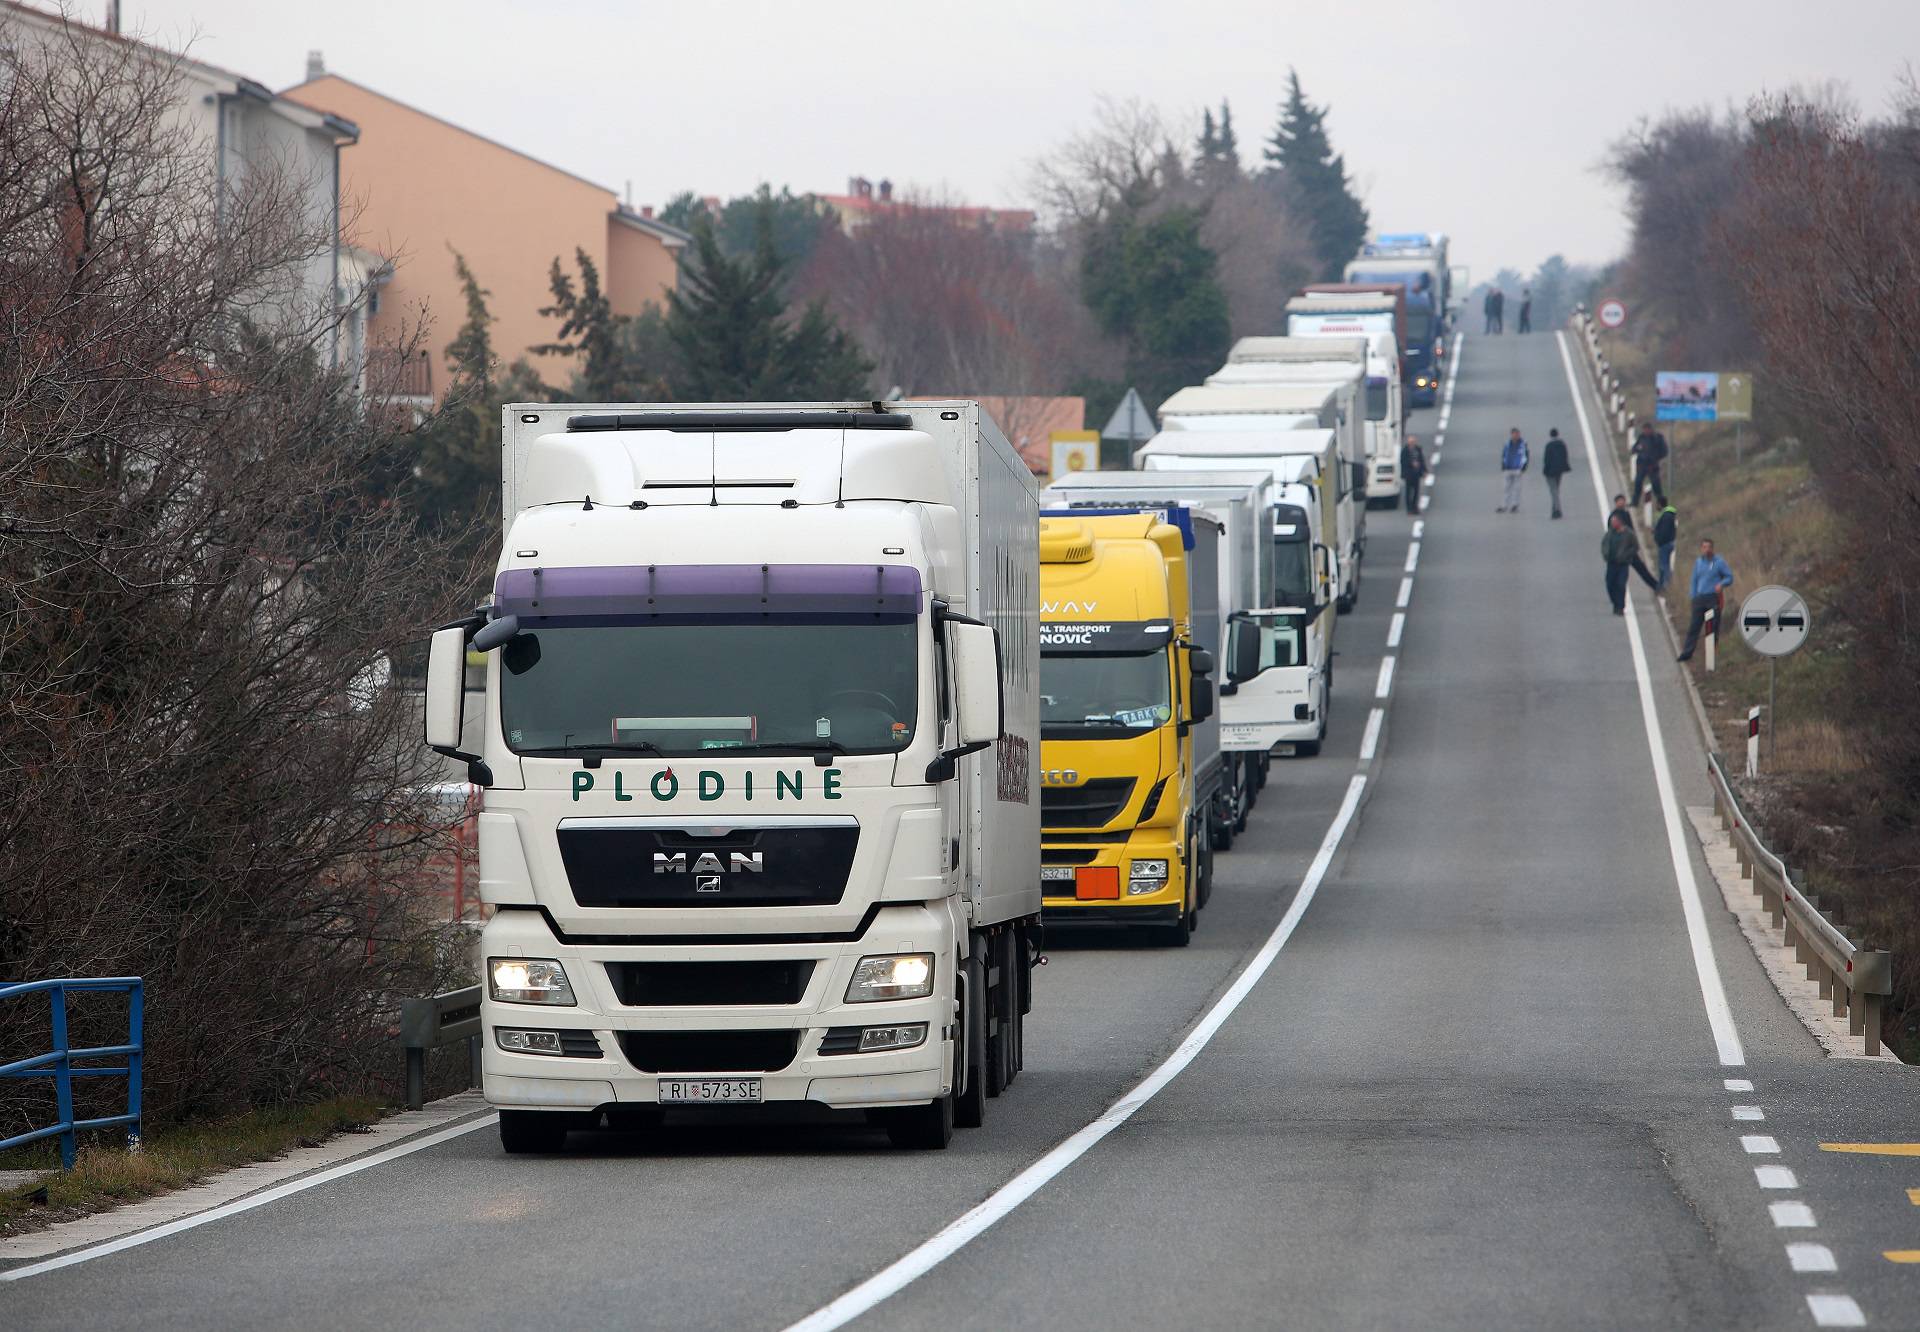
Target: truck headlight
{"type": "Point", "coordinates": [903, 1037]}
{"type": "Point", "coordinates": [528, 1042]}
{"type": "Point", "coordinates": [1149, 869]}
{"type": "Point", "coordinates": [897, 976]}
{"type": "Point", "coordinates": [528, 980]}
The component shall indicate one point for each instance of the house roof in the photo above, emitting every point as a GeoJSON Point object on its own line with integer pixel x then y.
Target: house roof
{"type": "Point", "coordinates": [668, 235]}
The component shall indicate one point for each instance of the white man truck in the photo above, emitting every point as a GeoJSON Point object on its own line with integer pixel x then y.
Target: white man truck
{"type": "Point", "coordinates": [1374, 374]}
{"type": "Point", "coordinates": [1280, 704]}
{"type": "Point", "coordinates": [1259, 407]}
{"type": "Point", "coordinates": [760, 809]}
{"type": "Point", "coordinates": [1242, 502]}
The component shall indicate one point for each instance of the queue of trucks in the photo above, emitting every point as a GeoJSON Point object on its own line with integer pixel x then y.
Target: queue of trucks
{"type": "Point", "coordinates": [796, 724]}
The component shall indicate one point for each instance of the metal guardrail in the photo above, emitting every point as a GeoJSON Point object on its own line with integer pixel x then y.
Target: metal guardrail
{"type": "Point", "coordinates": [1853, 979]}
{"type": "Point", "coordinates": [428, 1024]}
{"type": "Point", "coordinates": [58, 1063]}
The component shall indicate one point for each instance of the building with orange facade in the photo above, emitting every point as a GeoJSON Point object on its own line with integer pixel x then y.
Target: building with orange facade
{"type": "Point", "coordinates": [419, 189]}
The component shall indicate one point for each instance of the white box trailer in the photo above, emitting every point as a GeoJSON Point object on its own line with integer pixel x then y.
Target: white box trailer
{"type": "Point", "coordinates": [1376, 399]}
{"type": "Point", "coordinates": [1280, 708]}
{"type": "Point", "coordinates": [1241, 408]}
{"type": "Point", "coordinates": [761, 762]}
{"type": "Point", "coordinates": [1242, 502]}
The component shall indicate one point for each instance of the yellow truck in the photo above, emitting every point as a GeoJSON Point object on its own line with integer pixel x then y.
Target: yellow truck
{"type": "Point", "coordinates": [1123, 688]}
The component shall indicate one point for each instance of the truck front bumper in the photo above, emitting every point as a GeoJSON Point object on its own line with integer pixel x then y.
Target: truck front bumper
{"type": "Point", "coordinates": [1164, 901]}
{"type": "Point", "coordinates": [619, 1053]}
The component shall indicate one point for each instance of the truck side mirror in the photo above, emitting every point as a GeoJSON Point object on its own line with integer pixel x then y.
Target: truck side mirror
{"type": "Point", "coordinates": [1243, 650]}
{"type": "Point", "coordinates": [1201, 661]}
{"type": "Point", "coordinates": [976, 684]}
{"type": "Point", "coordinates": [1323, 567]}
{"type": "Point", "coordinates": [1201, 699]}
{"type": "Point", "coordinates": [1358, 475]}
{"type": "Point", "coordinates": [447, 689]}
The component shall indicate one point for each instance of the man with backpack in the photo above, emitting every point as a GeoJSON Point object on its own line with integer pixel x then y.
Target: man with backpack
{"type": "Point", "coordinates": [1649, 450]}
{"type": "Point", "coordinates": [1513, 465]}
{"type": "Point", "coordinates": [1553, 466]}
{"type": "Point", "coordinates": [1666, 528]}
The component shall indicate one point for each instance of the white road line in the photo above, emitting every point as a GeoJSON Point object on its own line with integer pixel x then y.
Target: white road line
{"type": "Point", "coordinates": [247, 1204]}
{"type": "Point", "coordinates": [1433, 479]}
{"type": "Point", "coordinates": [1748, 1112]}
{"type": "Point", "coordinates": [1774, 1177]}
{"type": "Point", "coordinates": [1792, 1215]}
{"type": "Point", "coordinates": [1419, 527]}
{"type": "Point", "coordinates": [1835, 1311]}
{"type": "Point", "coordinates": [1385, 686]}
{"type": "Point", "coordinates": [1371, 740]}
{"type": "Point", "coordinates": [1737, 1084]}
{"type": "Point", "coordinates": [896, 1276]}
{"type": "Point", "coordinates": [1394, 629]}
{"type": "Point", "coordinates": [1413, 556]}
{"type": "Point", "coordinates": [1811, 1258]}
{"type": "Point", "coordinates": [1759, 1144]}
{"type": "Point", "coordinates": [1425, 500]}
{"type": "Point", "coordinates": [1406, 591]}
{"type": "Point", "coordinates": [1713, 993]}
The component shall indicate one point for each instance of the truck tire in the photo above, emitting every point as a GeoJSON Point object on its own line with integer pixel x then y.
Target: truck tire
{"type": "Point", "coordinates": [970, 1093]}
{"type": "Point", "coordinates": [1219, 829]}
{"type": "Point", "coordinates": [1260, 764]}
{"type": "Point", "coordinates": [920, 1128]}
{"type": "Point", "coordinates": [534, 1132]}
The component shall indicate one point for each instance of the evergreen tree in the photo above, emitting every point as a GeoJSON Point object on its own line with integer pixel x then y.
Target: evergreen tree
{"type": "Point", "coordinates": [732, 341]}
{"type": "Point", "coordinates": [588, 328]}
{"type": "Point", "coordinates": [1216, 160]}
{"type": "Point", "coordinates": [1151, 283]}
{"type": "Point", "coordinates": [1300, 158]}
{"type": "Point", "coordinates": [456, 465]}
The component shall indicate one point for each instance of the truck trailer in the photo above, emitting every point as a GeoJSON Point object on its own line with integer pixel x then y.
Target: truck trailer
{"type": "Point", "coordinates": [759, 764]}
{"type": "Point", "coordinates": [1362, 361]}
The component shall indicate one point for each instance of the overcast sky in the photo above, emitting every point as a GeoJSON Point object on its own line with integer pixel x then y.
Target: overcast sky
{"type": "Point", "coordinates": [1481, 118]}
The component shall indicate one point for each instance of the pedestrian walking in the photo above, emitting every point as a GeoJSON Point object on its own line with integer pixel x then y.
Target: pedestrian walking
{"type": "Point", "coordinates": [1665, 529]}
{"type": "Point", "coordinates": [1499, 311]}
{"type": "Point", "coordinates": [1649, 450]}
{"type": "Point", "coordinates": [1490, 309]}
{"type": "Point", "coordinates": [1526, 310]}
{"type": "Point", "coordinates": [1413, 470]}
{"type": "Point", "coordinates": [1620, 549]}
{"type": "Point", "coordinates": [1554, 465]}
{"type": "Point", "coordinates": [1711, 579]}
{"type": "Point", "coordinates": [1513, 465]}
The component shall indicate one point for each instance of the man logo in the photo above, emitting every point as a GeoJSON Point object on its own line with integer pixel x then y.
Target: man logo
{"type": "Point", "coordinates": [708, 863]}
{"type": "Point", "coordinates": [706, 883]}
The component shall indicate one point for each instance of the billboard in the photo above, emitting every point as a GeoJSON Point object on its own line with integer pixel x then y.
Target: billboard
{"type": "Point", "coordinates": [1686, 395]}
{"type": "Point", "coordinates": [1736, 396]}
{"type": "Point", "coordinates": [1075, 451]}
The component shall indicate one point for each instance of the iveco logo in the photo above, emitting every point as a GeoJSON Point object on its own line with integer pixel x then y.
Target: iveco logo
{"type": "Point", "coordinates": [707, 863]}
{"type": "Point", "coordinates": [1059, 777]}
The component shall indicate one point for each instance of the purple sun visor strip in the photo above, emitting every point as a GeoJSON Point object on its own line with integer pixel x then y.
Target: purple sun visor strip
{"type": "Point", "coordinates": [707, 589]}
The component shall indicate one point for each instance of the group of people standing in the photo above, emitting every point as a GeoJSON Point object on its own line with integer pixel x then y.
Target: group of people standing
{"type": "Point", "coordinates": [1494, 306]}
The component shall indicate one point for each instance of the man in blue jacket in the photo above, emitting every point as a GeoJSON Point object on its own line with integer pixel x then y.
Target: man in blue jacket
{"type": "Point", "coordinates": [1711, 577]}
{"type": "Point", "coordinates": [1513, 465]}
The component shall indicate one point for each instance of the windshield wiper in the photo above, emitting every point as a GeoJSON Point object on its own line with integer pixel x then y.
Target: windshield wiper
{"type": "Point", "coordinates": [820, 749]}
{"type": "Point", "coordinates": [607, 747]}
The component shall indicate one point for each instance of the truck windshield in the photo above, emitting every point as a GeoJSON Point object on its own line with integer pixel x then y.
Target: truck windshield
{"type": "Point", "coordinates": [1293, 573]}
{"type": "Point", "coordinates": [684, 685]}
{"type": "Point", "coordinates": [1087, 697]}
{"type": "Point", "coordinates": [1419, 327]}
{"type": "Point", "coordinates": [1376, 399]}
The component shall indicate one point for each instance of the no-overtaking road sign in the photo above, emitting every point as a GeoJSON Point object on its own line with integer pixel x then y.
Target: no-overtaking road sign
{"type": "Point", "coordinates": [1774, 621]}
{"type": "Point", "coordinates": [1612, 314]}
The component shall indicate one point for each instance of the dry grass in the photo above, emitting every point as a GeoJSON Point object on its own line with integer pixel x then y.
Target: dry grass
{"type": "Point", "coordinates": [106, 1174]}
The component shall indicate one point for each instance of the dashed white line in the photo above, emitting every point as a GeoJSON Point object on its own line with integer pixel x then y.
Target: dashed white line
{"type": "Point", "coordinates": [1792, 1215]}
{"type": "Point", "coordinates": [1419, 528]}
{"type": "Point", "coordinates": [1425, 500]}
{"type": "Point", "coordinates": [1774, 1177]}
{"type": "Point", "coordinates": [1406, 588]}
{"type": "Point", "coordinates": [1713, 993]}
{"type": "Point", "coordinates": [1385, 685]}
{"type": "Point", "coordinates": [1749, 1112]}
{"type": "Point", "coordinates": [1759, 1144]}
{"type": "Point", "coordinates": [1398, 623]}
{"type": "Point", "coordinates": [1737, 1084]}
{"type": "Point", "coordinates": [1835, 1311]}
{"type": "Point", "coordinates": [1811, 1258]}
{"type": "Point", "coordinates": [1413, 555]}
{"type": "Point", "coordinates": [1371, 740]}
{"type": "Point", "coordinates": [903, 1271]}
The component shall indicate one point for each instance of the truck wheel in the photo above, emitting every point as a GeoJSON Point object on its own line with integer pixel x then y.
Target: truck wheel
{"type": "Point", "coordinates": [534, 1132]}
{"type": "Point", "coordinates": [923, 1128]}
{"type": "Point", "coordinates": [1180, 933]}
{"type": "Point", "coordinates": [1219, 830]}
{"type": "Point", "coordinates": [970, 1097]}
{"type": "Point", "coordinates": [1260, 767]}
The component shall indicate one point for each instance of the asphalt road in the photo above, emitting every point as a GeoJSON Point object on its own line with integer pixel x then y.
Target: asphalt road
{"type": "Point", "coordinates": [1477, 1086]}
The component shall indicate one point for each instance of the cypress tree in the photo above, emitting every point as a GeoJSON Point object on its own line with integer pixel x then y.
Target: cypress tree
{"type": "Point", "coordinates": [1313, 178]}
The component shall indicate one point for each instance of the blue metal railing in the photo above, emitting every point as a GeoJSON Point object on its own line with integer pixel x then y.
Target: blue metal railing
{"type": "Point", "coordinates": [58, 1063]}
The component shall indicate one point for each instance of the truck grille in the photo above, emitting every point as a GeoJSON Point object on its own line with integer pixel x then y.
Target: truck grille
{"type": "Point", "coordinates": [1068, 855]}
{"type": "Point", "coordinates": [1092, 804]}
{"type": "Point", "coordinates": [709, 1051]}
{"type": "Point", "coordinates": [616, 866]}
{"type": "Point", "coordinates": [685, 984]}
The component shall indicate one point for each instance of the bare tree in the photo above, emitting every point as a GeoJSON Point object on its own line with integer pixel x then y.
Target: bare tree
{"type": "Point", "coordinates": [207, 555]}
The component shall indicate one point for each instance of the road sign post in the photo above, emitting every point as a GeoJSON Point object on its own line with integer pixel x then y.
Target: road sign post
{"type": "Point", "coordinates": [1612, 313]}
{"type": "Point", "coordinates": [1774, 621]}
{"type": "Point", "coordinates": [1130, 421]}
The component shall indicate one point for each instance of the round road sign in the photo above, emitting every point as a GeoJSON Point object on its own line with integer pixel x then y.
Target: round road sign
{"type": "Point", "coordinates": [1612, 313]}
{"type": "Point", "coordinates": [1774, 621]}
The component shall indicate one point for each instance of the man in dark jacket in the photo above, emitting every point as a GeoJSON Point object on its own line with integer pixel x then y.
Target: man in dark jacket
{"type": "Point", "coordinates": [1649, 449]}
{"type": "Point", "coordinates": [1413, 470]}
{"type": "Point", "coordinates": [1526, 310]}
{"type": "Point", "coordinates": [1666, 529]}
{"type": "Point", "coordinates": [1553, 466]}
{"type": "Point", "coordinates": [1620, 548]}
